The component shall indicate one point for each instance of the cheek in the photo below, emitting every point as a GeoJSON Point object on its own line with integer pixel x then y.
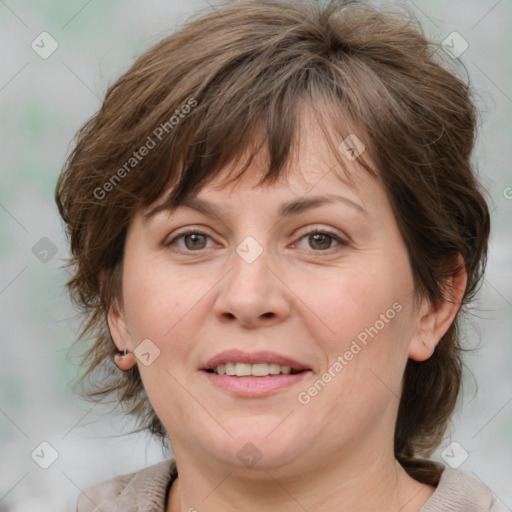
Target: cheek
{"type": "Point", "coordinates": [158, 303]}
{"type": "Point", "coordinates": [160, 306]}
{"type": "Point", "coordinates": [360, 312]}
{"type": "Point", "coordinates": [345, 302]}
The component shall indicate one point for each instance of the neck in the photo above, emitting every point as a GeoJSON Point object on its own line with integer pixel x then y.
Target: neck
{"type": "Point", "coordinates": [374, 484]}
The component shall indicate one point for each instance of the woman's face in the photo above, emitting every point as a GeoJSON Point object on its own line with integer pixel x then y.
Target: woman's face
{"type": "Point", "coordinates": [310, 273]}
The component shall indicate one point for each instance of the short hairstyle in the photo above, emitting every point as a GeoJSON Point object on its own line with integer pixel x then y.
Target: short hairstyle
{"type": "Point", "coordinates": [238, 78]}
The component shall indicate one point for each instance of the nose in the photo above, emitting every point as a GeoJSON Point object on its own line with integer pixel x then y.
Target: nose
{"type": "Point", "coordinates": [252, 295]}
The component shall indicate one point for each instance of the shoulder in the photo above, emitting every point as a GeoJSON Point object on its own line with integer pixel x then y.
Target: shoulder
{"type": "Point", "coordinates": [459, 492]}
{"type": "Point", "coordinates": [142, 490]}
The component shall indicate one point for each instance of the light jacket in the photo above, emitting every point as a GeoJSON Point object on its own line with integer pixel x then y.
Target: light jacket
{"type": "Point", "coordinates": [146, 491]}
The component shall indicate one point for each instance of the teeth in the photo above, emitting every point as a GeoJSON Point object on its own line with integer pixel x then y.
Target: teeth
{"type": "Point", "coordinates": [256, 370]}
{"type": "Point", "coordinates": [260, 369]}
{"type": "Point", "coordinates": [242, 369]}
{"type": "Point", "coordinates": [274, 369]}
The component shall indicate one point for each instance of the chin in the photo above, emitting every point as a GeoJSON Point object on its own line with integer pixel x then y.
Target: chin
{"type": "Point", "coordinates": [256, 443]}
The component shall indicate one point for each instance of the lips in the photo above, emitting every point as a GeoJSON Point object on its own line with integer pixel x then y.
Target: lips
{"type": "Point", "coordinates": [254, 374]}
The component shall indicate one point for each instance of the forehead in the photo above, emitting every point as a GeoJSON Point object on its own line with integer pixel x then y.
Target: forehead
{"type": "Point", "coordinates": [320, 160]}
{"type": "Point", "coordinates": [295, 195]}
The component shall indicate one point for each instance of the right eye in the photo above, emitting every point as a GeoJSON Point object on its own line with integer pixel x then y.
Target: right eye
{"type": "Point", "coordinates": [193, 241]}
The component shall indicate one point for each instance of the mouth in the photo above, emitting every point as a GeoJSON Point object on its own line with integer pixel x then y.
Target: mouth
{"type": "Point", "coordinates": [246, 374]}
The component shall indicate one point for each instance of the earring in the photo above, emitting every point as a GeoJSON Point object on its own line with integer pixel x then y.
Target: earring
{"type": "Point", "coordinates": [125, 360]}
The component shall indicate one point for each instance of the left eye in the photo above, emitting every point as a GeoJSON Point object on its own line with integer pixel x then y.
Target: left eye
{"type": "Point", "coordinates": [321, 240]}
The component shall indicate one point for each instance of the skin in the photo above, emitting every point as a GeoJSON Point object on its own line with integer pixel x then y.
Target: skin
{"type": "Point", "coordinates": [298, 299]}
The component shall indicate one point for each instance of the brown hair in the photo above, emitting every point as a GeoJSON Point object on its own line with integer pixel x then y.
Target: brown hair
{"type": "Point", "coordinates": [199, 98]}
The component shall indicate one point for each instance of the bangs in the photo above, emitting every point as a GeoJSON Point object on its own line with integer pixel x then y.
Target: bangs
{"type": "Point", "coordinates": [273, 125]}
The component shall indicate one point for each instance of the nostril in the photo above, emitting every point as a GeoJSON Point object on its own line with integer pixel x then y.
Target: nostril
{"type": "Point", "coordinates": [268, 315]}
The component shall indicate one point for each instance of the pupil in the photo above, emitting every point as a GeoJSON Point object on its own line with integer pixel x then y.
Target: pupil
{"type": "Point", "coordinates": [195, 239]}
{"type": "Point", "coordinates": [323, 240]}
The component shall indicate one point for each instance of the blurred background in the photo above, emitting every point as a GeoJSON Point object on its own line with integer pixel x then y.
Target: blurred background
{"type": "Point", "coordinates": [57, 60]}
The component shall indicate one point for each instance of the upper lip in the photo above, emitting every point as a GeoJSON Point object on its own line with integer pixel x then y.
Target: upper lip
{"type": "Point", "coordinates": [237, 356]}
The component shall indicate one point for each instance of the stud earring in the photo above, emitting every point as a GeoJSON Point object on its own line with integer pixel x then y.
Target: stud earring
{"type": "Point", "coordinates": [125, 360]}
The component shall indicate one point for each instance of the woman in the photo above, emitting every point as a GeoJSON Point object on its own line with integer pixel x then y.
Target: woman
{"type": "Point", "coordinates": [274, 224]}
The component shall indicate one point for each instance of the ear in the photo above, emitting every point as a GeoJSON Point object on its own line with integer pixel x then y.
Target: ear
{"type": "Point", "coordinates": [118, 327]}
{"type": "Point", "coordinates": [435, 319]}
{"type": "Point", "coordinates": [116, 320]}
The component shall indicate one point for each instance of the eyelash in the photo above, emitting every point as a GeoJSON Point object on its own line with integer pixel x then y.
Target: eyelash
{"type": "Point", "coordinates": [313, 231]}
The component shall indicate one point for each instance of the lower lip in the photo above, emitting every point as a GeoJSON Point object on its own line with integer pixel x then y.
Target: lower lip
{"type": "Point", "coordinates": [255, 386]}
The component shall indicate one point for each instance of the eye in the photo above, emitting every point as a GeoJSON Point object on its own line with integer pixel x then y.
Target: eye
{"type": "Point", "coordinates": [321, 240]}
{"type": "Point", "coordinates": [193, 240]}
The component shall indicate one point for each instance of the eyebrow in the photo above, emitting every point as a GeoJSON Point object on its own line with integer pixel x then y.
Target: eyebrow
{"type": "Point", "coordinates": [300, 205]}
{"type": "Point", "coordinates": [290, 208]}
